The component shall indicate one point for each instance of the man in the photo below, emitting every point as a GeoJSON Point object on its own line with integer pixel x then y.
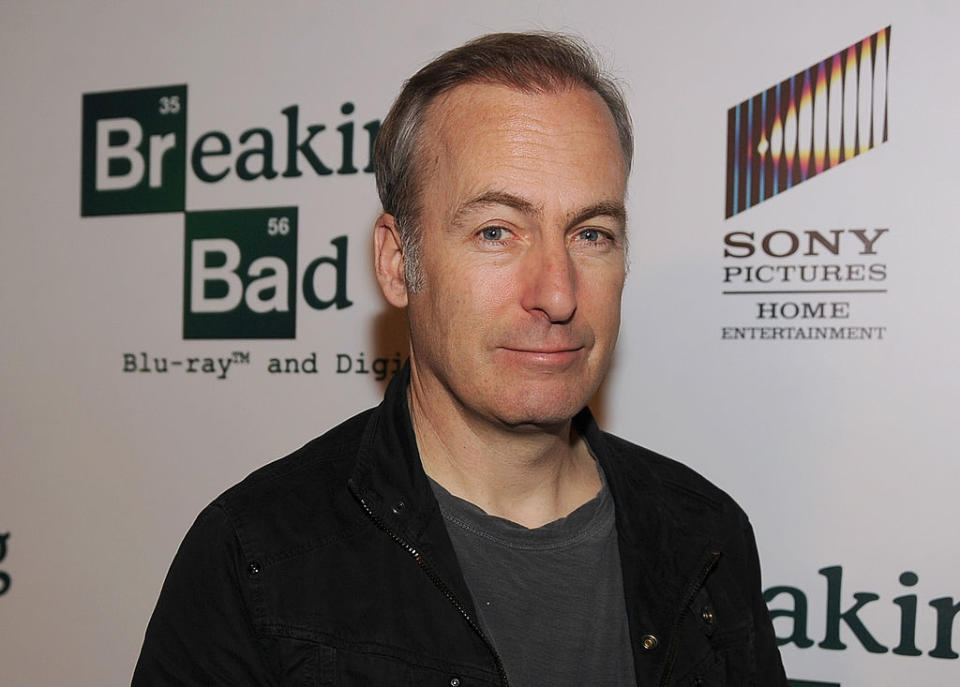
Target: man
{"type": "Point", "coordinates": [477, 528]}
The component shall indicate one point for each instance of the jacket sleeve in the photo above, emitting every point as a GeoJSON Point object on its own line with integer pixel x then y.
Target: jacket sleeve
{"type": "Point", "coordinates": [770, 671]}
{"type": "Point", "coordinates": [201, 631]}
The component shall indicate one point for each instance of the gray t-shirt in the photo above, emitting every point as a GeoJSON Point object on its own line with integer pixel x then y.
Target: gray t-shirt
{"type": "Point", "coordinates": [551, 598]}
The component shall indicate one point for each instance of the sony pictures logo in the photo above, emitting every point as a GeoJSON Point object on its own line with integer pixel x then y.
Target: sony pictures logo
{"type": "Point", "coordinates": [817, 119]}
{"type": "Point", "coordinates": [810, 284]}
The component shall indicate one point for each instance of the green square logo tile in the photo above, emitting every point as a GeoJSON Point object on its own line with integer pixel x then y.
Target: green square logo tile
{"type": "Point", "coordinates": [240, 274]}
{"type": "Point", "coordinates": [134, 151]}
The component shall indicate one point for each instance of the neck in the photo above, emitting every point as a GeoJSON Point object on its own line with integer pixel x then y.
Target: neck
{"type": "Point", "coordinates": [530, 475]}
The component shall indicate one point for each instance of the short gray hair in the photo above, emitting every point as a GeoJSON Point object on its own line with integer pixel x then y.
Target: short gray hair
{"type": "Point", "coordinates": [536, 62]}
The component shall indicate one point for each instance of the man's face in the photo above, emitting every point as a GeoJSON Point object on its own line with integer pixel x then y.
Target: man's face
{"type": "Point", "coordinates": [523, 252]}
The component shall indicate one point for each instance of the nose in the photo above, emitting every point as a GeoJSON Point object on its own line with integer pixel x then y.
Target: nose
{"type": "Point", "coordinates": [551, 283]}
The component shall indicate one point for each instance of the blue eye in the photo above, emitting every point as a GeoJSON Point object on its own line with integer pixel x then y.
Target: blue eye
{"type": "Point", "coordinates": [492, 233]}
{"type": "Point", "coordinates": [591, 235]}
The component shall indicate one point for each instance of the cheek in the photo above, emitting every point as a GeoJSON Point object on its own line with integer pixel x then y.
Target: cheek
{"type": "Point", "coordinates": [462, 306]}
{"type": "Point", "coordinates": [479, 291]}
{"type": "Point", "coordinates": [606, 319]}
{"type": "Point", "coordinates": [600, 291]}
{"type": "Point", "coordinates": [602, 310]}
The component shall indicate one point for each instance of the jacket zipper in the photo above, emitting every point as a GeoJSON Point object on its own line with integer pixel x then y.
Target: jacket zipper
{"type": "Point", "coordinates": [439, 584]}
{"type": "Point", "coordinates": [675, 642]}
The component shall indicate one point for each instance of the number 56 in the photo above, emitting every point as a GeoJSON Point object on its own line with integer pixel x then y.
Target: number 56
{"type": "Point", "coordinates": [278, 225]}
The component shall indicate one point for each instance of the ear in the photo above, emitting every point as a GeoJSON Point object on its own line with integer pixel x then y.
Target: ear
{"type": "Point", "coordinates": [388, 260]}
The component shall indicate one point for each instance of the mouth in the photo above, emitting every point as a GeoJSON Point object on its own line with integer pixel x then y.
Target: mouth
{"type": "Point", "coordinates": [544, 357]}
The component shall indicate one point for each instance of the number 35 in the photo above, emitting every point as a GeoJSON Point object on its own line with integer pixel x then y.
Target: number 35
{"type": "Point", "coordinates": [170, 104]}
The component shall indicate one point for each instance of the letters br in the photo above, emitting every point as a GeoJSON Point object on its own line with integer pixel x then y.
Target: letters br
{"type": "Point", "coordinates": [134, 151]}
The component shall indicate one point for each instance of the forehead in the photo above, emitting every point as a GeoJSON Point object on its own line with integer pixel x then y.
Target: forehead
{"type": "Point", "coordinates": [478, 137]}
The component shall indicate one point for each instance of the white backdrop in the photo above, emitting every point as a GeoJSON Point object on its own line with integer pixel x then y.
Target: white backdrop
{"type": "Point", "coordinates": [842, 451]}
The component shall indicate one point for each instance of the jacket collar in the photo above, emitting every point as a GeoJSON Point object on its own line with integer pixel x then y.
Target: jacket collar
{"type": "Point", "coordinates": [389, 476]}
{"type": "Point", "coordinates": [390, 482]}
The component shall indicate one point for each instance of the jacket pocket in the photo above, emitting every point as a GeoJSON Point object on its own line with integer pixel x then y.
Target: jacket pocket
{"type": "Point", "coordinates": [730, 661]}
{"type": "Point", "coordinates": [718, 646]}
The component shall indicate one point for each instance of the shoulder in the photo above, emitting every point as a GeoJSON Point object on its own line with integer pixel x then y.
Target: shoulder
{"type": "Point", "coordinates": [300, 500]}
{"type": "Point", "coordinates": [324, 456]}
{"type": "Point", "coordinates": [693, 500]}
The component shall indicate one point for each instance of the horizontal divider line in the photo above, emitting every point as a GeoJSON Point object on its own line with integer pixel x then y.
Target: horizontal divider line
{"type": "Point", "coordinates": [744, 293]}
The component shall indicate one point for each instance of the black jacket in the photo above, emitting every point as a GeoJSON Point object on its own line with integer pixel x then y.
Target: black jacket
{"type": "Point", "coordinates": [332, 566]}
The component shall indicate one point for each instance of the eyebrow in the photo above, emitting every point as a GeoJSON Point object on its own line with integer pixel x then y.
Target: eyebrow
{"type": "Point", "coordinates": [613, 209]}
{"type": "Point", "coordinates": [487, 198]}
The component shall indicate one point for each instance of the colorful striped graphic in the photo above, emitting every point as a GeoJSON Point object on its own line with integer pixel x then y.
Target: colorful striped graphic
{"type": "Point", "coordinates": [822, 116]}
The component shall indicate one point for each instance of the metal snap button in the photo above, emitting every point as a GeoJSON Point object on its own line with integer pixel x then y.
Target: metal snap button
{"type": "Point", "coordinates": [399, 507]}
{"type": "Point", "coordinates": [707, 615]}
{"type": "Point", "coordinates": [253, 568]}
{"type": "Point", "coordinates": [454, 682]}
{"type": "Point", "coordinates": [649, 642]}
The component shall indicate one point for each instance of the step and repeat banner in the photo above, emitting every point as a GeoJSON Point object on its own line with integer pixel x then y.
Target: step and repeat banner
{"type": "Point", "coordinates": [186, 292]}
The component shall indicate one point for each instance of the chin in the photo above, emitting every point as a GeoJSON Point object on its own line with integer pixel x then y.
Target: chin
{"type": "Point", "coordinates": [543, 409]}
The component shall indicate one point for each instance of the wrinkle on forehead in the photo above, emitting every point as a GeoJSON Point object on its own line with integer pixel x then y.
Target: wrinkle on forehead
{"type": "Point", "coordinates": [521, 125]}
{"type": "Point", "coordinates": [610, 208]}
